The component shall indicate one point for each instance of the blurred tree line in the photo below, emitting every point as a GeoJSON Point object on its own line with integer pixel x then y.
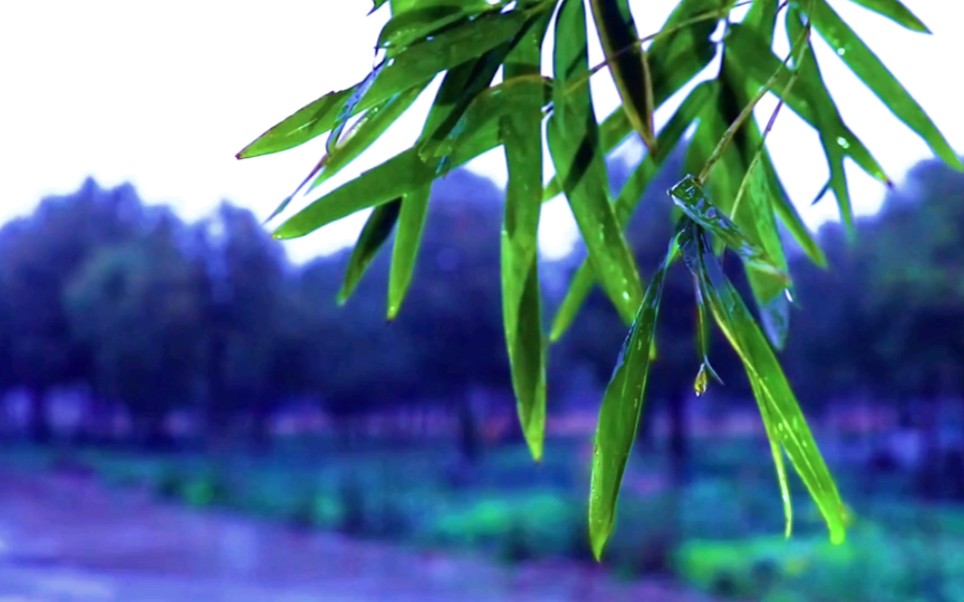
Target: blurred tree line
{"type": "Point", "coordinates": [153, 315]}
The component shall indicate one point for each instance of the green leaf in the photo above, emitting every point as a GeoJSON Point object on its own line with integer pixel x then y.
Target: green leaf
{"type": "Point", "coordinates": [489, 107]}
{"type": "Point", "coordinates": [460, 86]}
{"type": "Point", "coordinates": [779, 407]}
{"type": "Point", "coordinates": [521, 305]}
{"type": "Point", "coordinates": [573, 137]}
{"type": "Point", "coordinates": [809, 97]}
{"type": "Point", "coordinates": [865, 65]}
{"type": "Point", "coordinates": [627, 63]}
{"type": "Point", "coordinates": [414, 66]}
{"type": "Point", "coordinates": [629, 197]}
{"type": "Point", "coordinates": [835, 147]}
{"type": "Point", "coordinates": [674, 59]}
{"type": "Point", "coordinates": [895, 11]}
{"type": "Point", "coordinates": [689, 196]}
{"type": "Point", "coordinates": [361, 136]}
{"type": "Point", "coordinates": [382, 184]}
{"type": "Point", "coordinates": [378, 227]}
{"type": "Point", "coordinates": [620, 413]}
{"type": "Point", "coordinates": [365, 132]}
{"type": "Point", "coordinates": [428, 17]}
{"type": "Point", "coordinates": [350, 107]}
{"type": "Point", "coordinates": [777, 452]}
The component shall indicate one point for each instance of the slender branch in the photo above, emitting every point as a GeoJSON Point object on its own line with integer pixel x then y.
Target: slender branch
{"type": "Point", "coordinates": [760, 147]}
{"type": "Point", "coordinates": [798, 45]}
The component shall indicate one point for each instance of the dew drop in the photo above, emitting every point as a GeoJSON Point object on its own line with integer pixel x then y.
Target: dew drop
{"type": "Point", "coordinates": [843, 142]}
{"type": "Point", "coordinates": [841, 51]}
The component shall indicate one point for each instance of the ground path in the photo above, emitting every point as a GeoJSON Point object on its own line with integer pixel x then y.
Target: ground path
{"type": "Point", "coordinates": [68, 538]}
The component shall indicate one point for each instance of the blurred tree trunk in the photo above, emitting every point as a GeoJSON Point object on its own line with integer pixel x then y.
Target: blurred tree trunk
{"type": "Point", "coordinates": [469, 444]}
{"type": "Point", "coordinates": [260, 428]}
{"type": "Point", "coordinates": [38, 427]}
{"type": "Point", "coordinates": [678, 447]}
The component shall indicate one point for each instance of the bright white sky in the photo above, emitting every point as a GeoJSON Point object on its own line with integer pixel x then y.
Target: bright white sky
{"type": "Point", "coordinates": [163, 94]}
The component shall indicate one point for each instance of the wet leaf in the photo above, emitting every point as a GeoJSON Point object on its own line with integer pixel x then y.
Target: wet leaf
{"type": "Point", "coordinates": [350, 107]}
{"type": "Point", "coordinates": [366, 131]}
{"type": "Point", "coordinates": [382, 184]}
{"type": "Point", "coordinates": [779, 407]}
{"type": "Point", "coordinates": [627, 63]}
{"type": "Point", "coordinates": [414, 66]}
{"type": "Point", "coordinates": [458, 89]}
{"type": "Point", "coordinates": [378, 227]}
{"type": "Point", "coordinates": [629, 197]}
{"type": "Point", "coordinates": [690, 197]}
{"type": "Point", "coordinates": [521, 304]}
{"type": "Point", "coordinates": [429, 17]}
{"type": "Point", "coordinates": [573, 137]}
{"type": "Point", "coordinates": [620, 413]}
{"type": "Point", "coordinates": [674, 59]}
{"type": "Point", "coordinates": [865, 65]}
{"type": "Point", "coordinates": [777, 452]}
{"type": "Point", "coordinates": [895, 11]}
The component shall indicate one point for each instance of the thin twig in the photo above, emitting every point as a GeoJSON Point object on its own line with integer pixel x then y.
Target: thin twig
{"type": "Point", "coordinates": [798, 45]}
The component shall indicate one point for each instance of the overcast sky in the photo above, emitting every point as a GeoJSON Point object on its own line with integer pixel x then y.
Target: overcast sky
{"type": "Point", "coordinates": [163, 94]}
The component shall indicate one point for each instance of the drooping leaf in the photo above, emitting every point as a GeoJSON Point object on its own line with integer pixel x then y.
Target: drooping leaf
{"type": "Point", "coordinates": [674, 59]}
{"type": "Point", "coordinates": [573, 137]}
{"type": "Point", "coordinates": [895, 11]}
{"type": "Point", "coordinates": [779, 405]}
{"type": "Point", "coordinates": [865, 65]}
{"type": "Point", "coordinates": [809, 97]}
{"type": "Point", "coordinates": [386, 182]}
{"type": "Point", "coordinates": [689, 196]}
{"type": "Point", "coordinates": [629, 197]}
{"type": "Point", "coordinates": [351, 105]}
{"type": "Point", "coordinates": [457, 91]}
{"type": "Point", "coordinates": [489, 106]}
{"type": "Point", "coordinates": [361, 136]}
{"type": "Point", "coordinates": [521, 304]}
{"type": "Point", "coordinates": [364, 133]}
{"type": "Point", "coordinates": [620, 413]}
{"type": "Point", "coordinates": [628, 63]}
{"type": "Point", "coordinates": [378, 227]}
{"type": "Point", "coordinates": [777, 452]}
{"type": "Point", "coordinates": [414, 66]}
{"type": "Point", "coordinates": [429, 17]}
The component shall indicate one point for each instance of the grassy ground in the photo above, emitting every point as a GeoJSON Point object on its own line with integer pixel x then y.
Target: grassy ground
{"type": "Point", "coordinates": [722, 532]}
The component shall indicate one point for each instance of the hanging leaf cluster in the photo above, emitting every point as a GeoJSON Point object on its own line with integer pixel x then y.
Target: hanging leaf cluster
{"type": "Point", "coordinates": [496, 93]}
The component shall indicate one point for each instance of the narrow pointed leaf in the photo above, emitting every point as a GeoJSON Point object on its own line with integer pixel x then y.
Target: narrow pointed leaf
{"type": "Point", "coordinates": [521, 303]}
{"type": "Point", "coordinates": [376, 231]}
{"type": "Point", "coordinates": [779, 404]}
{"type": "Point", "coordinates": [358, 139]}
{"type": "Point", "coordinates": [689, 196]}
{"type": "Point", "coordinates": [620, 413]}
{"type": "Point", "coordinates": [865, 65]}
{"type": "Point", "coordinates": [458, 89]}
{"type": "Point", "coordinates": [427, 18]}
{"type": "Point", "coordinates": [382, 184]}
{"type": "Point", "coordinates": [895, 11]}
{"type": "Point", "coordinates": [412, 67]}
{"type": "Point", "coordinates": [835, 148]}
{"type": "Point", "coordinates": [629, 197]}
{"type": "Point", "coordinates": [573, 136]}
{"type": "Point", "coordinates": [777, 452]}
{"type": "Point", "coordinates": [351, 106]}
{"type": "Point", "coordinates": [809, 97]}
{"type": "Point", "coordinates": [364, 133]}
{"type": "Point", "coordinates": [674, 59]}
{"type": "Point", "coordinates": [627, 63]}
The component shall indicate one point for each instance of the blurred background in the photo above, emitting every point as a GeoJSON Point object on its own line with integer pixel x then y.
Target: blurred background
{"type": "Point", "coordinates": [186, 412]}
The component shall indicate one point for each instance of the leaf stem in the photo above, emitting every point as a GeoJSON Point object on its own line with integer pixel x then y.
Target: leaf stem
{"type": "Point", "coordinates": [798, 45]}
